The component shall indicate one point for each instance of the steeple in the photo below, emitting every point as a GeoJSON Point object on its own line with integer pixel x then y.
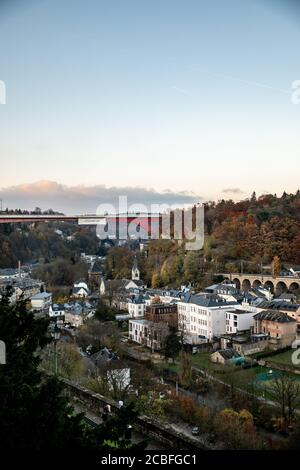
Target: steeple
{"type": "Point", "coordinates": [135, 272]}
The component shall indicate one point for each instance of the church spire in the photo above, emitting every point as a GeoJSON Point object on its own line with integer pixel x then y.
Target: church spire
{"type": "Point", "coordinates": [135, 272]}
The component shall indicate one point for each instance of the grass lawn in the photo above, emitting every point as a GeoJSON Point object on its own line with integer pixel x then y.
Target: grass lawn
{"type": "Point", "coordinates": [230, 374]}
{"type": "Point", "coordinates": [245, 379]}
{"type": "Point", "coordinates": [284, 358]}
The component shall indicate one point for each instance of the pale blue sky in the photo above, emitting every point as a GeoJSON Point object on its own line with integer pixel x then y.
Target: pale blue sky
{"type": "Point", "coordinates": [185, 95]}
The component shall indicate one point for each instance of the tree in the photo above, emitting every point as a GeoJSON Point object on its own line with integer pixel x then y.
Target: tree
{"type": "Point", "coordinates": [35, 413]}
{"type": "Point", "coordinates": [237, 430]}
{"type": "Point", "coordinates": [155, 280]}
{"type": "Point", "coordinates": [70, 363]}
{"type": "Point", "coordinates": [172, 344]}
{"type": "Point", "coordinates": [186, 370]}
{"type": "Point", "coordinates": [285, 391]}
{"type": "Point", "coordinates": [276, 266]}
{"type": "Point", "coordinates": [99, 334]}
{"type": "Point", "coordinates": [104, 312]}
{"type": "Point", "coordinates": [152, 405]}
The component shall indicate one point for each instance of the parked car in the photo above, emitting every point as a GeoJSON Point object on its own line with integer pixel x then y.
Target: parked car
{"type": "Point", "coordinates": [195, 431]}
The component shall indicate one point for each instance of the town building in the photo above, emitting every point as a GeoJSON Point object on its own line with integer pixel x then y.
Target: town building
{"type": "Point", "coordinates": [95, 275]}
{"type": "Point", "coordinates": [281, 328]}
{"type": "Point", "coordinates": [162, 313]}
{"type": "Point", "coordinates": [41, 301]}
{"type": "Point", "coordinates": [80, 289]}
{"type": "Point", "coordinates": [117, 286]}
{"type": "Point", "coordinates": [224, 356]}
{"type": "Point", "coordinates": [135, 272]}
{"type": "Point", "coordinates": [245, 343]}
{"type": "Point", "coordinates": [201, 317]}
{"type": "Point", "coordinates": [148, 333]}
{"type": "Point", "coordinates": [292, 309]}
{"type": "Point", "coordinates": [136, 306]}
{"type": "Point", "coordinates": [238, 319]}
{"type": "Point", "coordinates": [57, 311]}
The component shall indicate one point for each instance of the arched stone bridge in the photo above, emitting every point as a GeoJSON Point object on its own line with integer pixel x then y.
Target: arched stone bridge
{"type": "Point", "coordinates": [276, 284]}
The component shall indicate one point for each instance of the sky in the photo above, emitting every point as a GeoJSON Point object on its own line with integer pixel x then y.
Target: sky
{"type": "Point", "coordinates": [169, 100]}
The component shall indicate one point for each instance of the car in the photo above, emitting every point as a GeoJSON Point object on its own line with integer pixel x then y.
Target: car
{"type": "Point", "coordinates": [195, 431]}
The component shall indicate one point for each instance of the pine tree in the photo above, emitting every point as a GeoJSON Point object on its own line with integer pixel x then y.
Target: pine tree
{"type": "Point", "coordinates": [35, 413]}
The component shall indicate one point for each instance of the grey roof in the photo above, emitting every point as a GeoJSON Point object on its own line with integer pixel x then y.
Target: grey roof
{"type": "Point", "coordinates": [238, 311]}
{"type": "Point", "coordinates": [206, 300]}
{"type": "Point", "coordinates": [286, 296]}
{"type": "Point", "coordinates": [77, 289]}
{"type": "Point", "coordinates": [96, 267]}
{"type": "Point", "coordinates": [137, 299]}
{"type": "Point", "coordinates": [278, 305]}
{"type": "Point", "coordinates": [57, 307]}
{"type": "Point", "coordinates": [142, 321]}
{"type": "Point", "coordinates": [222, 287]}
{"type": "Point", "coordinates": [122, 317]}
{"type": "Point", "coordinates": [41, 295]}
{"type": "Point", "coordinates": [278, 317]}
{"type": "Point", "coordinates": [229, 353]}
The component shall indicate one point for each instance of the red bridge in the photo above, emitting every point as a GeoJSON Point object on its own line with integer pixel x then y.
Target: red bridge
{"type": "Point", "coordinates": [145, 222]}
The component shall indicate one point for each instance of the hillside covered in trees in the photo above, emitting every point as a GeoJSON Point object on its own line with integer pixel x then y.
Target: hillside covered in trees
{"type": "Point", "coordinates": [44, 242]}
{"type": "Point", "coordinates": [253, 231]}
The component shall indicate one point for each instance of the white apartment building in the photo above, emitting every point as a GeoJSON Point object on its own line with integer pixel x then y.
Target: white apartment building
{"type": "Point", "coordinates": [138, 330]}
{"type": "Point", "coordinates": [238, 319]}
{"type": "Point", "coordinates": [202, 316]}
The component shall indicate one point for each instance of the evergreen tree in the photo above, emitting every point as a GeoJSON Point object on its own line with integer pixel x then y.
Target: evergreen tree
{"type": "Point", "coordinates": [35, 413]}
{"type": "Point", "coordinates": [173, 344]}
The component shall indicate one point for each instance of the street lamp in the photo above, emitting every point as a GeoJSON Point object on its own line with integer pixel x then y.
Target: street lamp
{"type": "Point", "coordinates": [56, 336]}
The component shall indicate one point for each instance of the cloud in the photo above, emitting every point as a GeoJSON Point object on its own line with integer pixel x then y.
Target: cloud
{"type": "Point", "coordinates": [86, 199]}
{"type": "Point", "coordinates": [233, 191]}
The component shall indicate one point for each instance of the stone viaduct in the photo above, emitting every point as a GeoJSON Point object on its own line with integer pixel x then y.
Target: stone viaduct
{"type": "Point", "coordinates": [276, 284]}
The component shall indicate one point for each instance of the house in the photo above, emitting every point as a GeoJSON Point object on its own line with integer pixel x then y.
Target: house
{"type": "Point", "coordinates": [238, 319]}
{"type": "Point", "coordinates": [136, 306]}
{"type": "Point", "coordinates": [115, 370]}
{"type": "Point", "coordinates": [261, 292]}
{"type": "Point", "coordinates": [114, 286]}
{"type": "Point", "coordinates": [224, 356]}
{"type": "Point", "coordinates": [281, 328]}
{"type": "Point", "coordinates": [290, 308]}
{"type": "Point", "coordinates": [245, 343]}
{"type": "Point", "coordinates": [287, 297]}
{"type": "Point", "coordinates": [202, 316]}
{"type": "Point", "coordinates": [255, 344]}
{"type": "Point", "coordinates": [95, 274]}
{"type": "Point", "coordinates": [166, 295]}
{"type": "Point", "coordinates": [57, 311]}
{"type": "Point", "coordinates": [41, 301]}
{"type": "Point", "coordinates": [225, 290]}
{"type": "Point", "coordinates": [22, 288]}
{"type": "Point", "coordinates": [73, 318]}
{"type": "Point", "coordinates": [80, 289]}
{"type": "Point", "coordinates": [14, 273]}
{"type": "Point", "coordinates": [162, 313]}
{"type": "Point", "coordinates": [148, 333]}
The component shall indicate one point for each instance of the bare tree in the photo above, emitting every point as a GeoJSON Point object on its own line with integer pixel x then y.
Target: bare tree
{"type": "Point", "coordinates": [285, 391]}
